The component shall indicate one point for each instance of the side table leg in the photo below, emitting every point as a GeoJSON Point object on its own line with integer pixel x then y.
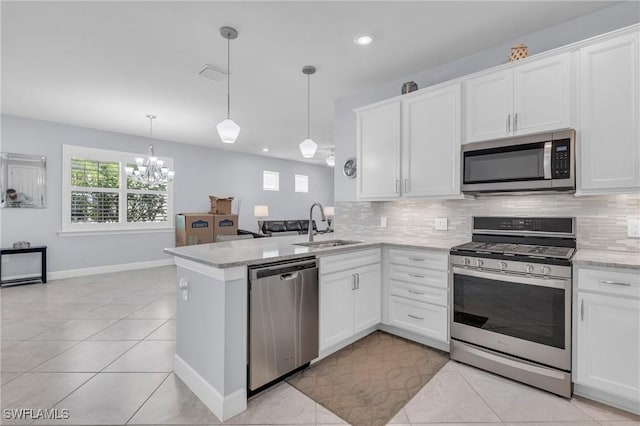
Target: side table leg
{"type": "Point", "coordinates": [44, 266]}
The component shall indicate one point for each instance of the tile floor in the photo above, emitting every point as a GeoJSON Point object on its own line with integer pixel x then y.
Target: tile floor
{"type": "Point", "coordinates": [102, 347]}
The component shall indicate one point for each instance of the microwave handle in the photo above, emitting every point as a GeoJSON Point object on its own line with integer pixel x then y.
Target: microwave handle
{"type": "Point", "coordinates": [547, 159]}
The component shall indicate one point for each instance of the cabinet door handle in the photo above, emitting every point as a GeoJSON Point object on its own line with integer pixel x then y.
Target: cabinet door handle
{"type": "Point", "coordinates": [417, 259]}
{"type": "Point", "coordinates": [357, 281]}
{"type": "Point", "coordinates": [582, 310]}
{"type": "Point", "coordinates": [415, 317]}
{"type": "Point", "coordinates": [515, 122]}
{"type": "Point", "coordinates": [415, 292]}
{"type": "Point", "coordinates": [397, 186]}
{"type": "Point", "coordinates": [508, 123]}
{"type": "Point", "coordinates": [615, 283]}
{"type": "Point", "coordinates": [353, 282]}
{"type": "Point", "coordinates": [406, 185]}
{"type": "Point", "coordinates": [416, 275]}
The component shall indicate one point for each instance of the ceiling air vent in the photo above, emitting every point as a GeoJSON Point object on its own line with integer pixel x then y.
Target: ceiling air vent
{"type": "Point", "coordinates": [213, 73]}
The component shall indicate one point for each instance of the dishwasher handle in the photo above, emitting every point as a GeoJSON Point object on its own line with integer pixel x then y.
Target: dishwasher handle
{"type": "Point", "coordinates": [289, 276]}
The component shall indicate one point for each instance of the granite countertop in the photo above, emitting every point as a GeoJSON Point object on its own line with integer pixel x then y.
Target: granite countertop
{"type": "Point", "coordinates": [255, 251]}
{"type": "Point", "coordinates": [611, 259]}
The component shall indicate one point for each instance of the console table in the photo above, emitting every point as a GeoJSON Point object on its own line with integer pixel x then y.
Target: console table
{"type": "Point", "coordinates": [34, 249]}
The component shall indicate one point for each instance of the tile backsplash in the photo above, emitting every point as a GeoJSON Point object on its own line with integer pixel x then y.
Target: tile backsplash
{"type": "Point", "coordinates": [601, 220]}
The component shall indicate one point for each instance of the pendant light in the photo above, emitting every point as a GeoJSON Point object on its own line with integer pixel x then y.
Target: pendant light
{"type": "Point", "coordinates": [308, 147]}
{"type": "Point", "coordinates": [331, 159]}
{"type": "Point", "coordinates": [227, 128]}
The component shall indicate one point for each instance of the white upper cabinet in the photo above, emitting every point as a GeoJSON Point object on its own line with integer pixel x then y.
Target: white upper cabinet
{"type": "Point", "coordinates": [378, 148]}
{"type": "Point", "coordinates": [489, 103]}
{"type": "Point", "coordinates": [528, 98]}
{"type": "Point", "coordinates": [424, 131]}
{"type": "Point", "coordinates": [431, 143]}
{"type": "Point", "coordinates": [609, 123]}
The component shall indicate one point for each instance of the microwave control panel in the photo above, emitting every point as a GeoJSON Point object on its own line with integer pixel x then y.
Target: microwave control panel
{"type": "Point", "coordinates": [561, 159]}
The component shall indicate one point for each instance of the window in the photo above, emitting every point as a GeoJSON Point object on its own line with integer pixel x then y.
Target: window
{"type": "Point", "coordinates": [302, 183]}
{"type": "Point", "coordinates": [270, 181]}
{"type": "Point", "coordinates": [98, 195]}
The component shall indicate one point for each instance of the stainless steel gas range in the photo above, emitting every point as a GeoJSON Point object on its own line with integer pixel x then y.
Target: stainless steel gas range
{"type": "Point", "coordinates": [511, 292]}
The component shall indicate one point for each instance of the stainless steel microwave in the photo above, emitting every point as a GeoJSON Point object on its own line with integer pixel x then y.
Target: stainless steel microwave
{"type": "Point", "coordinates": [542, 162]}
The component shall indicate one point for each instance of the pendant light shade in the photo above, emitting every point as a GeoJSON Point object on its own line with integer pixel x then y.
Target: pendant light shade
{"type": "Point", "coordinates": [331, 159]}
{"type": "Point", "coordinates": [308, 147]}
{"type": "Point", "coordinates": [227, 128]}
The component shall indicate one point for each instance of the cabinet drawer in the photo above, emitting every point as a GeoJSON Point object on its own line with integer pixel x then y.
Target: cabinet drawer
{"type": "Point", "coordinates": [420, 293]}
{"type": "Point", "coordinates": [347, 261]}
{"type": "Point", "coordinates": [612, 282]}
{"type": "Point", "coordinates": [426, 277]}
{"type": "Point", "coordinates": [421, 318]}
{"type": "Point", "coordinates": [419, 259]}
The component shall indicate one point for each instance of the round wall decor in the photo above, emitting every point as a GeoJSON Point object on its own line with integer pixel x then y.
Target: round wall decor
{"type": "Point", "coordinates": [350, 168]}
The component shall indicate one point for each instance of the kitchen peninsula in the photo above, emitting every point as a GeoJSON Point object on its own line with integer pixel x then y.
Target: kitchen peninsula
{"type": "Point", "coordinates": [211, 319]}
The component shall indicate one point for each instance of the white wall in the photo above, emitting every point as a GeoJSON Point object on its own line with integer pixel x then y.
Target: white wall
{"type": "Point", "coordinates": [602, 21]}
{"type": "Point", "coordinates": [200, 172]}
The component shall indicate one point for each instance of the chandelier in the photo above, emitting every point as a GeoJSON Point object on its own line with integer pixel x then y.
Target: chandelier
{"type": "Point", "coordinates": [150, 171]}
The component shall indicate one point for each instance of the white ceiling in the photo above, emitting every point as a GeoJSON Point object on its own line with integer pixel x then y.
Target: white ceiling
{"type": "Point", "coordinates": [105, 65]}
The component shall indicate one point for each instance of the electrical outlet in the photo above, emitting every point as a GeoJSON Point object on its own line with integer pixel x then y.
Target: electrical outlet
{"type": "Point", "coordinates": [441, 223]}
{"type": "Point", "coordinates": [633, 228]}
{"type": "Point", "coordinates": [383, 221]}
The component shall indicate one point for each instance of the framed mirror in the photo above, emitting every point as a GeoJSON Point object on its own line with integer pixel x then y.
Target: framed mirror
{"type": "Point", "coordinates": [22, 181]}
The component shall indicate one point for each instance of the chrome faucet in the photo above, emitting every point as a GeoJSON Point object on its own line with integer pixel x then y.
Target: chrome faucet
{"type": "Point", "coordinates": [324, 218]}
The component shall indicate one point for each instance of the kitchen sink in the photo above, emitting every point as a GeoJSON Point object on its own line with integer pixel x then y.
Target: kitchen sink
{"type": "Point", "coordinates": [326, 244]}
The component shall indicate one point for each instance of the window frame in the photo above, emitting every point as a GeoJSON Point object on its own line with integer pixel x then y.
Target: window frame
{"type": "Point", "coordinates": [295, 183]}
{"type": "Point", "coordinates": [277, 174]}
{"type": "Point", "coordinates": [123, 158]}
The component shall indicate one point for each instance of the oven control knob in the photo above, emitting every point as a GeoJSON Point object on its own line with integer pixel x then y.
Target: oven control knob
{"type": "Point", "coordinates": [503, 265]}
{"type": "Point", "coordinates": [546, 270]}
{"type": "Point", "coordinates": [528, 268]}
{"type": "Point", "coordinates": [466, 261]}
{"type": "Point", "coordinates": [479, 263]}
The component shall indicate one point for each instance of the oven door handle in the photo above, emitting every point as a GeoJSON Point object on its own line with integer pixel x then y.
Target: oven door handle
{"type": "Point", "coordinates": [515, 278]}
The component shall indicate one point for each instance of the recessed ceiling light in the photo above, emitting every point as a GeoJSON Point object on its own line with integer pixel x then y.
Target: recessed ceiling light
{"type": "Point", "coordinates": [363, 39]}
{"type": "Point", "coordinates": [265, 149]}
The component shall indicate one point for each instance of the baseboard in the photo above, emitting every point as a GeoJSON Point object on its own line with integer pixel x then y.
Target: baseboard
{"type": "Point", "coordinates": [72, 273]}
{"type": "Point", "coordinates": [606, 398]}
{"type": "Point", "coordinates": [222, 407]}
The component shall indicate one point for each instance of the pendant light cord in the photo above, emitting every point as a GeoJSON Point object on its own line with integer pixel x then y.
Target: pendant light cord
{"type": "Point", "coordinates": [308, 106]}
{"type": "Point", "coordinates": [228, 77]}
{"type": "Point", "coordinates": [151, 127]}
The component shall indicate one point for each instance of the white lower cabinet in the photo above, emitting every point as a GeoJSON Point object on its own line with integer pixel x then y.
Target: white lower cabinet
{"type": "Point", "coordinates": [350, 295]}
{"type": "Point", "coordinates": [607, 327]}
{"type": "Point", "coordinates": [416, 294]}
{"type": "Point", "coordinates": [426, 319]}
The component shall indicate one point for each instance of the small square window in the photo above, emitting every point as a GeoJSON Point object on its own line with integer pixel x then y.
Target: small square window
{"type": "Point", "coordinates": [302, 183]}
{"type": "Point", "coordinates": [270, 181]}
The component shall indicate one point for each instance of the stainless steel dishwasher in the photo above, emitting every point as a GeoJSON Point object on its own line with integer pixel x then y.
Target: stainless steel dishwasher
{"type": "Point", "coordinates": [283, 319]}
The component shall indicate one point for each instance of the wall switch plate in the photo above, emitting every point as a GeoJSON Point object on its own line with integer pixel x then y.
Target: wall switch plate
{"type": "Point", "coordinates": [441, 223]}
{"type": "Point", "coordinates": [383, 221]}
{"type": "Point", "coordinates": [633, 228]}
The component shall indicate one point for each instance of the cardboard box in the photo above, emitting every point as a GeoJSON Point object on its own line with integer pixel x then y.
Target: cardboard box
{"type": "Point", "coordinates": [194, 228]}
{"type": "Point", "coordinates": [220, 205]}
{"type": "Point", "coordinates": [225, 224]}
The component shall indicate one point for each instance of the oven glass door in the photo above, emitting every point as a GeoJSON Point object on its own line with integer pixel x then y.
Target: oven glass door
{"type": "Point", "coordinates": [525, 308]}
{"type": "Point", "coordinates": [505, 164]}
